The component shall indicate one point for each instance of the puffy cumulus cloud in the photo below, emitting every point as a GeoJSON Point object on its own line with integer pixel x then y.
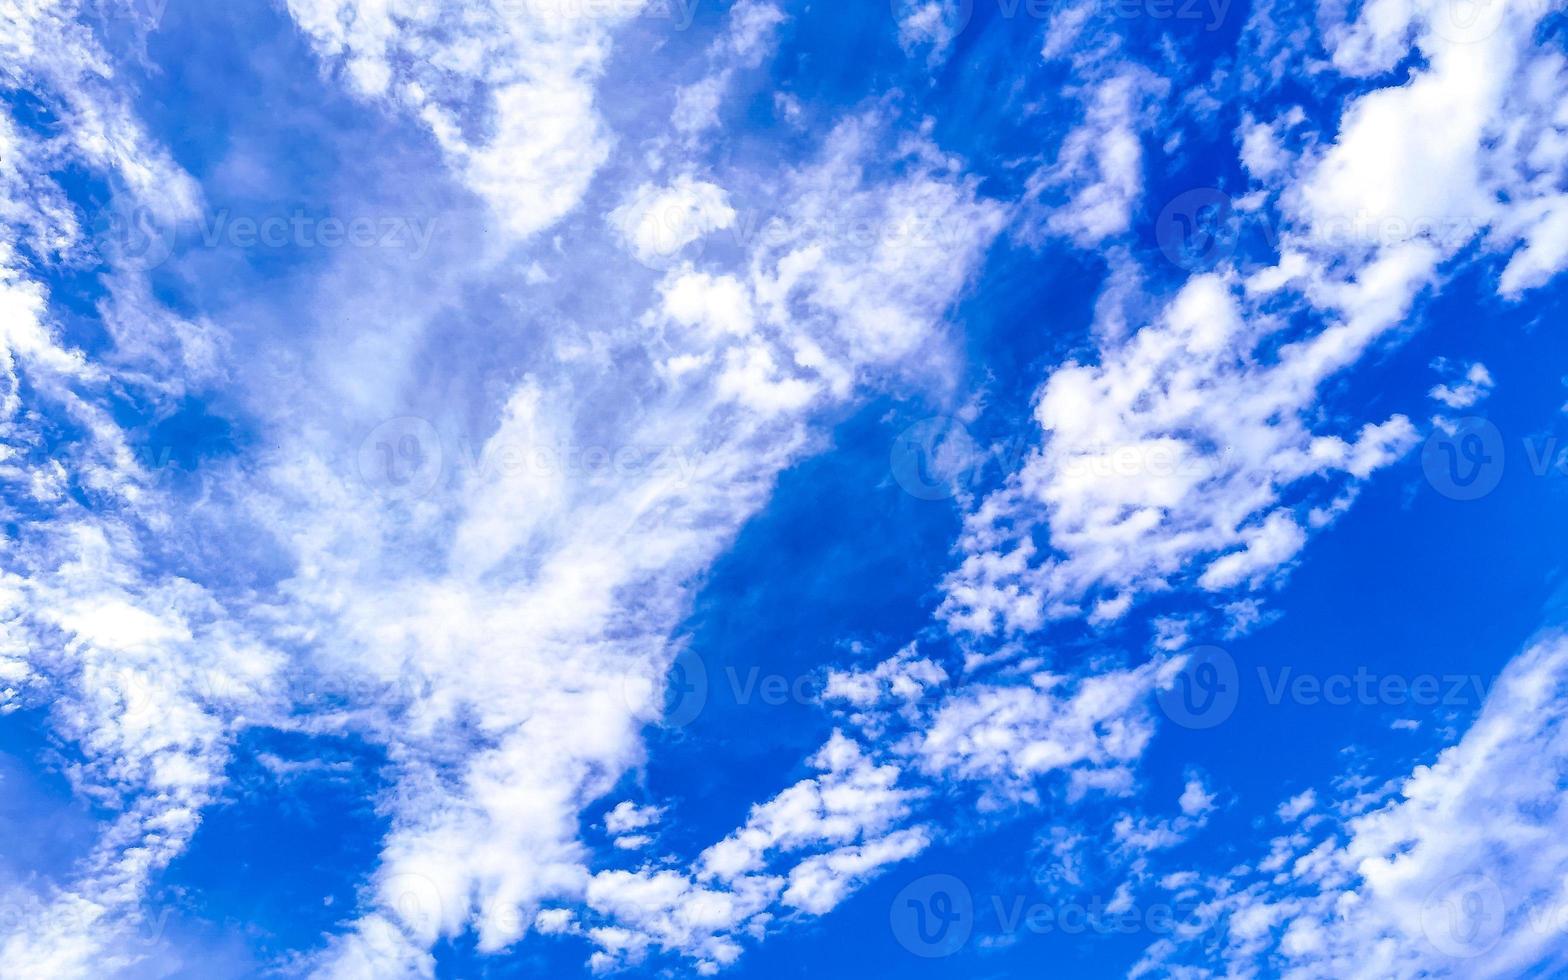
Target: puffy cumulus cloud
{"type": "Point", "coordinates": [1471, 148]}
{"type": "Point", "coordinates": [1459, 874]}
{"type": "Point", "coordinates": [533, 65]}
{"type": "Point", "coordinates": [626, 821]}
{"type": "Point", "coordinates": [628, 816]}
{"type": "Point", "coordinates": [1177, 450]}
{"type": "Point", "coordinates": [1092, 727]}
{"type": "Point", "coordinates": [1467, 387]}
{"type": "Point", "coordinates": [661, 221]}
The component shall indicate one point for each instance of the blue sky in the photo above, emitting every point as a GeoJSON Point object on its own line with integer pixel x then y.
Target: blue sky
{"type": "Point", "coordinates": [565, 488]}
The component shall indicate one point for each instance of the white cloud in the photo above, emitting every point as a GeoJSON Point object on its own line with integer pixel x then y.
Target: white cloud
{"type": "Point", "coordinates": [1196, 800]}
{"type": "Point", "coordinates": [1091, 727]}
{"type": "Point", "coordinates": [1099, 167]}
{"type": "Point", "coordinates": [1460, 874]}
{"type": "Point", "coordinates": [1297, 806]}
{"type": "Point", "coordinates": [1137, 484]}
{"type": "Point", "coordinates": [829, 833]}
{"type": "Point", "coordinates": [656, 223]}
{"type": "Point", "coordinates": [1467, 392]}
{"type": "Point", "coordinates": [749, 36]}
{"type": "Point", "coordinates": [535, 65]}
{"type": "Point", "coordinates": [628, 816]}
